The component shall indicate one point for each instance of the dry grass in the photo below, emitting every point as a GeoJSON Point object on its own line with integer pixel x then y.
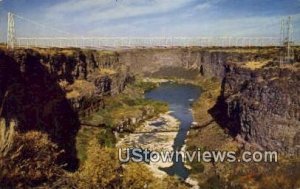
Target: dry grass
{"type": "Point", "coordinates": [208, 127]}
{"type": "Point", "coordinates": [102, 169]}
{"type": "Point", "coordinates": [30, 162]}
{"type": "Point", "coordinates": [107, 71]}
{"type": "Point", "coordinates": [294, 67]}
{"type": "Point", "coordinates": [106, 52]}
{"type": "Point", "coordinates": [6, 137]}
{"type": "Point", "coordinates": [84, 135]}
{"type": "Point", "coordinates": [284, 174]}
{"type": "Point", "coordinates": [253, 65]}
{"type": "Point", "coordinates": [242, 50]}
{"type": "Point", "coordinates": [80, 88]}
{"type": "Point", "coordinates": [53, 51]}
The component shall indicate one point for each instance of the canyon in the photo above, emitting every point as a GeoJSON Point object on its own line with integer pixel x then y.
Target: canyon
{"type": "Point", "coordinates": [52, 89]}
{"type": "Point", "coordinates": [257, 105]}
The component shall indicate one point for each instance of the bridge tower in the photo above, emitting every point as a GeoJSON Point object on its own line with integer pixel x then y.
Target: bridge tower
{"type": "Point", "coordinates": [11, 32]}
{"type": "Point", "coordinates": [286, 40]}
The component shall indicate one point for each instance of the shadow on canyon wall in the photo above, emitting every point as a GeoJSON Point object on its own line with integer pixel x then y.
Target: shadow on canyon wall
{"type": "Point", "coordinates": [33, 98]}
{"type": "Point", "coordinates": [219, 113]}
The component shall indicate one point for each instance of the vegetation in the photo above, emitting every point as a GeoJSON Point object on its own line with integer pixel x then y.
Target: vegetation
{"type": "Point", "coordinates": [83, 138]}
{"type": "Point", "coordinates": [137, 176]}
{"type": "Point", "coordinates": [253, 65]}
{"type": "Point", "coordinates": [107, 71]}
{"type": "Point", "coordinates": [69, 51]}
{"type": "Point", "coordinates": [6, 136]}
{"type": "Point", "coordinates": [144, 86]}
{"type": "Point", "coordinates": [104, 136]}
{"type": "Point", "coordinates": [130, 105]}
{"type": "Point", "coordinates": [78, 88]}
{"type": "Point", "coordinates": [284, 174]}
{"type": "Point", "coordinates": [101, 168]}
{"type": "Point", "coordinates": [30, 161]}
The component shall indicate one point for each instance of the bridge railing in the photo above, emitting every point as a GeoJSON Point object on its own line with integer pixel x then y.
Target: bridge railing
{"type": "Point", "coordinates": [114, 42]}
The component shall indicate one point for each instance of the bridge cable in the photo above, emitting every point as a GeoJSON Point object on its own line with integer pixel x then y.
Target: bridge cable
{"type": "Point", "coordinates": [41, 25]}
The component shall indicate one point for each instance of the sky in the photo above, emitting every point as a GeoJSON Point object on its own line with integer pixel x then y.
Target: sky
{"type": "Point", "coordinates": [202, 18]}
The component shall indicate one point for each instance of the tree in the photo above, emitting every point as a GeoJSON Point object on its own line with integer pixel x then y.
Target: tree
{"type": "Point", "coordinates": [136, 176]}
{"type": "Point", "coordinates": [101, 168]}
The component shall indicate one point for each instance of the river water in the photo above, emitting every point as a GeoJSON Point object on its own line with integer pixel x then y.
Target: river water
{"type": "Point", "coordinates": [179, 98]}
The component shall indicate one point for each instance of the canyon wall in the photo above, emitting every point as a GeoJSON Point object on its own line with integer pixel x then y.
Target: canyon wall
{"type": "Point", "coordinates": [48, 89]}
{"type": "Point", "coordinates": [187, 62]}
{"type": "Point", "coordinates": [263, 107]}
{"type": "Point", "coordinates": [260, 106]}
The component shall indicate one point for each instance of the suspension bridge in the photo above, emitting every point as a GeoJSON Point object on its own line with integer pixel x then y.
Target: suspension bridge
{"type": "Point", "coordinates": [66, 40]}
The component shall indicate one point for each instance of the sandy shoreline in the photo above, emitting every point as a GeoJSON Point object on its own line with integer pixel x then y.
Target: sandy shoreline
{"type": "Point", "coordinates": [154, 140]}
{"type": "Point", "coordinates": [156, 80]}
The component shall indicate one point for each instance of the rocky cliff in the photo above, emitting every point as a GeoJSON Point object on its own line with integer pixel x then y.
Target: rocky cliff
{"type": "Point", "coordinates": [189, 62]}
{"type": "Point", "coordinates": [259, 102]}
{"type": "Point", "coordinates": [99, 73]}
{"type": "Point", "coordinates": [263, 106]}
{"type": "Point", "coordinates": [48, 89]}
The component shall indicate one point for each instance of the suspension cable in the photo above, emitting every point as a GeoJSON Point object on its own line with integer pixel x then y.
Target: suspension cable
{"type": "Point", "coordinates": [42, 25]}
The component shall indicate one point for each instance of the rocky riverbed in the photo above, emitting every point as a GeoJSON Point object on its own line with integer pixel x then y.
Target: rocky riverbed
{"type": "Point", "coordinates": [155, 135]}
{"type": "Point", "coordinates": [158, 135]}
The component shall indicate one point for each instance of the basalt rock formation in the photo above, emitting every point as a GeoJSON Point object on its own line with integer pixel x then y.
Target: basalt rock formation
{"type": "Point", "coordinates": [263, 106]}
{"type": "Point", "coordinates": [47, 90]}
{"type": "Point", "coordinates": [189, 62]}
{"type": "Point", "coordinates": [259, 106]}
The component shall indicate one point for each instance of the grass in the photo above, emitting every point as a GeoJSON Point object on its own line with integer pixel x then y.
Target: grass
{"type": "Point", "coordinates": [122, 107]}
{"type": "Point", "coordinates": [145, 86]}
{"type": "Point", "coordinates": [284, 174]}
{"type": "Point", "coordinates": [209, 136]}
{"type": "Point", "coordinates": [253, 65]}
{"type": "Point", "coordinates": [105, 138]}
{"type": "Point", "coordinates": [53, 51]}
{"type": "Point", "coordinates": [79, 88]}
{"type": "Point", "coordinates": [209, 128]}
{"type": "Point", "coordinates": [130, 104]}
{"type": "Point", "coordinates": [106, 52]}
{"type": "Point", "coordinates": [84, 135]}
{"type": "Point", "coordinates": [107, 71]}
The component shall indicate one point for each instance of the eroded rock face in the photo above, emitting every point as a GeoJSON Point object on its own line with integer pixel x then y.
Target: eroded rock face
{"type": "Point", "coordinates": [263, 106]}
{"type": "Point", "coordinates": [48, 90]}
{"type": "Point", "coordinates": [184, 62]}
{"type": "Point", "coordinates": [73, 65]}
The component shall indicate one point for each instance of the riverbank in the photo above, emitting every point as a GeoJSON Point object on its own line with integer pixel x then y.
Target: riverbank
{"type": "Point", "coordinates": [155, 131]}
{"type": "Point", "coordinates": [154, 138]}
{"type": "Point", "coordinates": [121, 113]}
{"type": "Point", "coordinates": [208, 135]}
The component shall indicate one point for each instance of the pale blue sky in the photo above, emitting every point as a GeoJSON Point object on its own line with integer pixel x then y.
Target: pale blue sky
{"type": "Point", "coordinates": [153, 17]}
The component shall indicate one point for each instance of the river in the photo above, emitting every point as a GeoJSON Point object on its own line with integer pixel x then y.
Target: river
{"type": "Point", "coordinates": [179, 98]}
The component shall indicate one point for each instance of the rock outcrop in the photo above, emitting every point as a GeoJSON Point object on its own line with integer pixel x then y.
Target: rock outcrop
{"type": "Point", "coordinates": [261, 106]}
{"type": "Point", "coordinates": [71, 65]}
{"type": "Point", "coordinates": [48, 89]}
{"type": "Point", "coordinates": [51, 86]}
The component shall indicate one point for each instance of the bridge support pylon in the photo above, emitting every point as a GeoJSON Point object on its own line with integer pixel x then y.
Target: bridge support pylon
{"type": "Point", "coordinates": [11, 32]}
